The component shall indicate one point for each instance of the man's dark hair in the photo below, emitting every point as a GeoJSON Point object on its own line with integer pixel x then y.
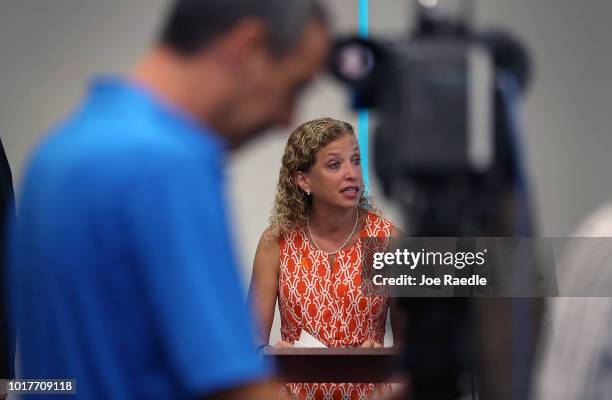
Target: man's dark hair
{"type": "Point", "coordinates": [193, 24]}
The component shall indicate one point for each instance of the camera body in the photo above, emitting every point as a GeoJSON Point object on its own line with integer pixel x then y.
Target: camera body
{"type": "Point", "coordinates": [434, 97]}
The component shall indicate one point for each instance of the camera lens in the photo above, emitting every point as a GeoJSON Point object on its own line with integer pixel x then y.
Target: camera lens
{"type": "Point", "coordinates": [353, 62]}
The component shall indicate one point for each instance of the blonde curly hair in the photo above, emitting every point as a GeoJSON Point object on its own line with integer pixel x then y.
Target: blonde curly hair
{"type": "Point", "coordinates": [291, 204]}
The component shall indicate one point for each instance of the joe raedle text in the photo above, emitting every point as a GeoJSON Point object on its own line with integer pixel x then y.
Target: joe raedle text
{"type": "Point", "coordinates": [445, 280]}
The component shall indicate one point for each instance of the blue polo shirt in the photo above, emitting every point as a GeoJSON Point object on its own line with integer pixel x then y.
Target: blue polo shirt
{"type": "Point", "coordinates": [122, 271]}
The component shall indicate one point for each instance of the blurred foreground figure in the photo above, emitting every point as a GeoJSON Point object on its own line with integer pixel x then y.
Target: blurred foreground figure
{"type": "Point", "coordinates": [7, 200]}
{"type": "Point", "coordinates": [576, 355]}
{"type": "Point", "coordinates": [123, 273]}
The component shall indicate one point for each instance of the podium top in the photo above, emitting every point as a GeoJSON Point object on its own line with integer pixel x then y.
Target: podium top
{"type": "Point", "coordinates": [337, 365]}
{"type": "Point", "coordinates": [317, 351]}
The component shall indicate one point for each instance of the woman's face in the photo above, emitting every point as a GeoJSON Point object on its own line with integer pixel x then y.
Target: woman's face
{"type": "Point", "coordinates": [335, 179]}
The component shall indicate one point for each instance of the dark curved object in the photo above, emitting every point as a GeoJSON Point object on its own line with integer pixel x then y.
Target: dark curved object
{"type": "Point", "coordinates": [509, 54]}
{"type": "Point", "coordinates": [7, 212]}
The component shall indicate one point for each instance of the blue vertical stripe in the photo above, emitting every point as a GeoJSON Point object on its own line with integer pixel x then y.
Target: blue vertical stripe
{"type": "Point", "coordinates": [363, 18]}
{"type": "Point", "coordinates": [363, 117]}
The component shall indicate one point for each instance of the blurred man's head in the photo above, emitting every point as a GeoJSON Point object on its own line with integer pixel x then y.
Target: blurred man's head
{"type": "Point", "coordinates": [238, 65]}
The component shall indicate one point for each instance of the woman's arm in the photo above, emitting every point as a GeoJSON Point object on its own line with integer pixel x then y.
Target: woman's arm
{"type": "Point", "coordinates": [263, 291]}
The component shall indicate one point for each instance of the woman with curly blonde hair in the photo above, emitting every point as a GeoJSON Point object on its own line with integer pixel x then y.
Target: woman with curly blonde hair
{"type": "Point", "coordinates": [309, 259]}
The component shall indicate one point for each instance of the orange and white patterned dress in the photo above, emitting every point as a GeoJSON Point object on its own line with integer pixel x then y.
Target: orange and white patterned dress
{"type": "Point", "coordinates": [327, 302]}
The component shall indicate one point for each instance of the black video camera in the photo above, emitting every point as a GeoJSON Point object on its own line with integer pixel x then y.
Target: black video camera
{"type": "Point", "coordinates": [443, 129]}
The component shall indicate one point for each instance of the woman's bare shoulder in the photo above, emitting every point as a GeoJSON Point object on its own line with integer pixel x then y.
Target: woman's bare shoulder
{"type": "Point", "coordinates": [269, 241]}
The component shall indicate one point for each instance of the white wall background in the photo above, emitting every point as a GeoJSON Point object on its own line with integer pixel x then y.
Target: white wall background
{"type": "Point", "coordinates": [49, 49]}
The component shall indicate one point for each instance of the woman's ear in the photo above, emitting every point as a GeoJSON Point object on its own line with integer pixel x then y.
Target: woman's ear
{"type": "Point", "coordinates": [302, 181]}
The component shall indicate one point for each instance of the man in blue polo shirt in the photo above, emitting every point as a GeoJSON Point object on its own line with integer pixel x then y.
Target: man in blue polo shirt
{"type": "Point", "coordinates": [122, 273]}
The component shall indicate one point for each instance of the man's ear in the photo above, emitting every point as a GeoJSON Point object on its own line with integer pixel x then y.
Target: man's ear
{"type": "Point", "coordinates": [301, 179]}
{"type": "Point", "coordinates": [247, 37]}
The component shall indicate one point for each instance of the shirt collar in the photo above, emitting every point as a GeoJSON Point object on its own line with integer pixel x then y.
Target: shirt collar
{"type": "Point", "coordinates": [130, 91]}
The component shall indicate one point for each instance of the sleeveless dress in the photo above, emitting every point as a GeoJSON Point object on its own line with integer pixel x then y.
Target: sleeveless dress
{"type": "Point", "coordinates": [328, 303]}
